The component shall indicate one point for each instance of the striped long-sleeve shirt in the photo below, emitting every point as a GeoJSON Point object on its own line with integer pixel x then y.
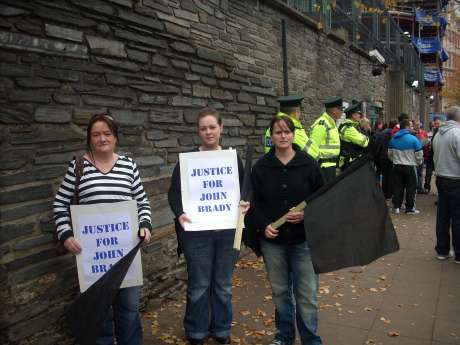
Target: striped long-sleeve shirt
{"type": "Point", "coordinates": [119, 184]}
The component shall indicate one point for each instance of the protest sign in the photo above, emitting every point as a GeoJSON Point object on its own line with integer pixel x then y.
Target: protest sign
{"type": "Point", "coordinates": [106, 233]}
{"type": "Point", "coordinates": [210, 189]}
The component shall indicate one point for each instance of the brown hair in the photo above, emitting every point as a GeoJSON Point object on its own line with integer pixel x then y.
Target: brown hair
{"type": "Point", "coordinates": [208, 111]}
{"type": "Point", "coordinates": [109, 121]}
{"type": "Point", "coordinates": [287, 121]}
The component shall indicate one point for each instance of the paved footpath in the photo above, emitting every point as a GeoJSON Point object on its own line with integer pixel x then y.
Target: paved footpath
{"type": "Point", "coordinates": [407, 298]}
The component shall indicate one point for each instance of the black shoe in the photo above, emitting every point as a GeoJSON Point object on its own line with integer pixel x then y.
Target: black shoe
{"type": "Point", "coordinates": [195, 341]}
{"type": "Point", "coordinates": [223, 341]}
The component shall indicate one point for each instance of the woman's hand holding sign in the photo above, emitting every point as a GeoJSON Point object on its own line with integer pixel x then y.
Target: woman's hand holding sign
{"type": "Point", "coordinates": [245, 205]}
{"type": "Point", "coordinates": [145, 234]}
{"type": "Point", "coordinates": [183, 218]}
{"type": "Point", "coordinates": [72, 245]}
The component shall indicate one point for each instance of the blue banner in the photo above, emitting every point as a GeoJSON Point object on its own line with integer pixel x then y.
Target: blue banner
{"type": "Point", "coordinates": [441, 116]}
{"type": "Point", "coordinates": [444, 55]}
{"type": "Point", "coordinates": [427, 45]}
{"type": "Point", "coordinates": [432, 75]}
{"type": "Point", "coordinates": [430, 18]}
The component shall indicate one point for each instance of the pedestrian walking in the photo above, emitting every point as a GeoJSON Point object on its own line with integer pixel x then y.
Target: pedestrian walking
{"type": "Point", "coordinates": [209, 254]}
{"type": "Point", "coordinates": [405, 151]}
{"type": "Point", "coordinates": [103, 176]}
{"type": "Point", "coordinates": [382, 140]}
{"type": "Point", "coordinates": [281, 179]}
{"type": "Point", "coordinates": [421, 135]}
{"type": "Point", "coordinates": [325, 135]}
{"type": "Point", "coordinates": [446, 147]}
{"type": "Point", "coordinates": [429, 162]}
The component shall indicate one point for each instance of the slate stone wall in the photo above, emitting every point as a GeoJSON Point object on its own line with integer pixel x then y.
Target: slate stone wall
{"type": "Point", "coordinates": [151, 64]}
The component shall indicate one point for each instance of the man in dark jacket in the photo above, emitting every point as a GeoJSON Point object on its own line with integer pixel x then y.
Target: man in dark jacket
{"type": "Point", "coordinates": [382, 141]}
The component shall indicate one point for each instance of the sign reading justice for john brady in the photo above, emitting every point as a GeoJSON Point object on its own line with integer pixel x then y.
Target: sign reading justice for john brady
{"type": "Point", "coordinates": [106, 233]}
{"type": "Point", "coordinates": [210, 189]}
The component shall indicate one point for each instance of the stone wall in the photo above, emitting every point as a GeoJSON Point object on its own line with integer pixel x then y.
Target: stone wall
{"type": "Point", "coordinates": [152, 64]}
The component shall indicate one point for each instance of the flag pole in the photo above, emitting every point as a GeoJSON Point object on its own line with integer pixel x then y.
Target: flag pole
{"type": "Point", "coordinates": [280, 221]}
{"type": "Point", "coordinates": [244, 197]}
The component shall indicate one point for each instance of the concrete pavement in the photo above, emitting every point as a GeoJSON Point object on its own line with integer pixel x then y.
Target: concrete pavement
{"type": "Point", "coordinates": [407, 298]}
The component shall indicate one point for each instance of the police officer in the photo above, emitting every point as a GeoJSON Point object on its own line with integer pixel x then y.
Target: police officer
{"type": "Point", "coordinates": [325, 135]}
{"type": "Point", "coordinates": [353, 142]}
{"type": "Point", "coordinates": [290, 107]}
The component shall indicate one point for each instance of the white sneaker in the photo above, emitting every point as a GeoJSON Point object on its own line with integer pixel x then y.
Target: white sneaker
{"type": "Point", "coordinates": [413, 211]}
{"type": "Point", "coordinates": [395, 210]}
{"type": "Point", "coordinates": [443, 257]}
{"type": "Point", "coordinates": [276, 342]}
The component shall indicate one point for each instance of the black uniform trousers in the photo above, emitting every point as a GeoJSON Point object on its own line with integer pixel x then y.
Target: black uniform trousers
{"type": "Point", "coordinates": [404, 179]}
{"type": "Point", "coordinates": [329, 173]}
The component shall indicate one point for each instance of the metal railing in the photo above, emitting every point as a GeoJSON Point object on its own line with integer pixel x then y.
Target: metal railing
{"type": "Point", "coordinates": [367, 27]}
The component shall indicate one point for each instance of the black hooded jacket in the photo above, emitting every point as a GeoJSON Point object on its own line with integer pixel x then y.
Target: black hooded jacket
{"type": "Point", "coordinates": [276, 189]}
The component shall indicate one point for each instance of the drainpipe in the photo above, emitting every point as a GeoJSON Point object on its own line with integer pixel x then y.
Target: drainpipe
{"type": "Point", "coordinates": [285, 57]}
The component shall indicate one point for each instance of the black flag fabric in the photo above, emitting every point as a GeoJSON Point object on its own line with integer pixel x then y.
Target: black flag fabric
{"type": "Point", "coordinates": [347, 222]}
{"type": "Point", "coordinates": [88, 312]}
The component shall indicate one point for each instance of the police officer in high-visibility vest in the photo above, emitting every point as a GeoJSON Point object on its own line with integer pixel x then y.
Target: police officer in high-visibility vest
{"type": "Point", "coordinates": [290, 106]}
{"type": "Point", "coordinates": [325, 135]}
{"type": "Point", "coordinates": [353, 142]}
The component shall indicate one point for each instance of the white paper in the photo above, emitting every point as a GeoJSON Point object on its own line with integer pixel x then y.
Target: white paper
{"type": "Point", "coordinates": [210, 189]}
{"type": "Point", "coordinates": [106, 233]}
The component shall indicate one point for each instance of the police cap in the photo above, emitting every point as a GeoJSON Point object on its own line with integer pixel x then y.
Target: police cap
{"type": "Point", "coordinates": [290, 101]}
{"type": "Point", "coordinates": [353, 108]}
{"type": "Point", "coordinates": [334, 101]}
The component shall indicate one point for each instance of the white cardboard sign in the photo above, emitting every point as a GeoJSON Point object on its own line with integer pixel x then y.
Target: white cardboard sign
{"type": "Point", "coordinates": [210, 189]}
{"type": "Point", "coordinates": [106, 233]}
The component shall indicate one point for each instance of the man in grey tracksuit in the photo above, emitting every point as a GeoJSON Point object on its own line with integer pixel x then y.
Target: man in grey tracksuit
{"type": "Point", "coordinates": [446, 146]}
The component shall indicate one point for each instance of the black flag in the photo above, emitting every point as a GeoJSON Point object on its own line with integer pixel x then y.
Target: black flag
{"type": "Point", "coordinates": [347, 222]}
{"type": "Point", "coordinates": [88, 312]}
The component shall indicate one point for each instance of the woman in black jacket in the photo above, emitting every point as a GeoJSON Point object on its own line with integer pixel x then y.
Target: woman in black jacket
{"type": "Point", "coordinates": [209, 254]}
{"type": "Point", "coordinates": [281, 179]}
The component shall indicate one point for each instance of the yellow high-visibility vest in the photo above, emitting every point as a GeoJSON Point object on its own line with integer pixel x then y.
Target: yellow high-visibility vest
{"type": "Point", "coordinates": [325, 135]}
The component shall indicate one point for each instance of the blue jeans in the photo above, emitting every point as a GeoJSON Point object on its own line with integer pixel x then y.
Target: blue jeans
{"type": "Point", "coordinates": [124, 317]}
{"type": "Point", "coordinates": [210, 259]}
{"type": "Point", "coordinates": [294, 286]}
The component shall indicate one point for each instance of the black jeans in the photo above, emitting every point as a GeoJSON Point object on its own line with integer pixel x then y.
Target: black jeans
{"type": "Point", "coordinates": [420, 178]}
{"type": "Point", "coordinates": [448, 215]}
{"type": "Point", "coordinates": [428, 174]}
{"type": "Point", "coordinates": [387, 167]}
{"type": "Point", "coordinates": [404, 178]}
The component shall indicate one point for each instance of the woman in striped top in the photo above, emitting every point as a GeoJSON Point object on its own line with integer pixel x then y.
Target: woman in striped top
{"type": "Point", "coordinates": [106, 177]}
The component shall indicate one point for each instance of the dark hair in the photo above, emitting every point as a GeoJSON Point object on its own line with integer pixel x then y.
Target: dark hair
{"type": "Point", "coordinates": [377, 123]}
{"type": "Point", "coordinates": [211, 112]}
{"type": "Point", "coordinates": [288, 122]}
{"type": "Point", "coordinates": [404, 124]}
{"type": "Point", "coordinates": [402, 117]}
{"type": "Point", "coordinates": [392, 124]}
{"type": "Point", "coordinates": [109, 121]}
